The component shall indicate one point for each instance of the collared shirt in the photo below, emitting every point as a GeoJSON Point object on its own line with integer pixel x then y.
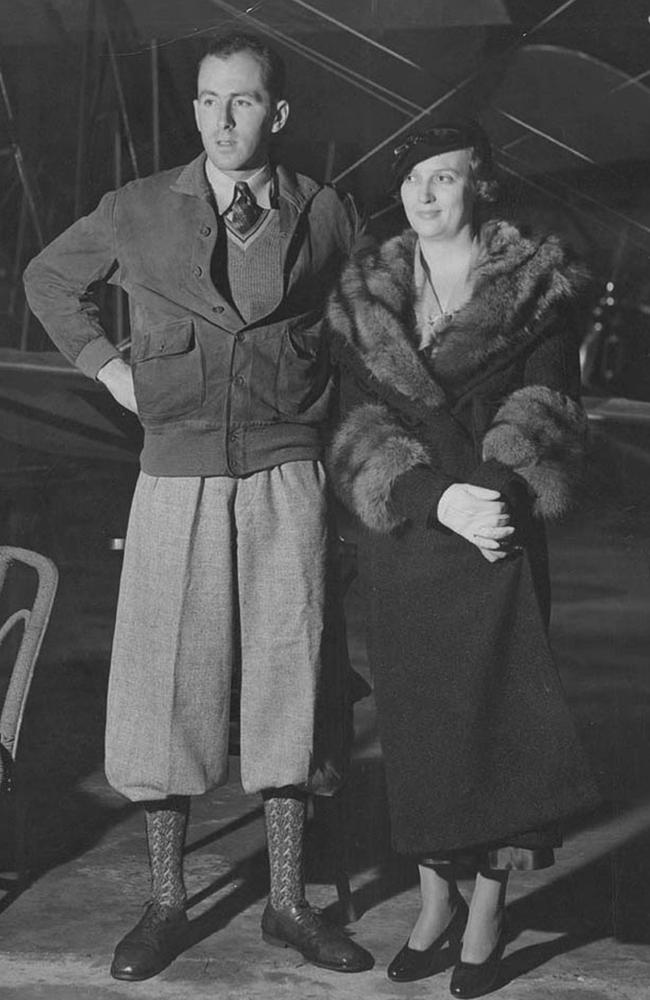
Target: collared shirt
{"type": "Point", "coordinates": [261, 184]}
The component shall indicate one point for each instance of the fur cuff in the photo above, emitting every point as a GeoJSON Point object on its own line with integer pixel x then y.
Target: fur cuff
{"type": "Point", "coordinates": [368, 453]}
{"type": "Point", "coordinates": [542, 435]}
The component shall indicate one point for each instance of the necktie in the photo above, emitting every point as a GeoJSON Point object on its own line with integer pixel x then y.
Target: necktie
{"type": "Point", "coordinates": [244, 213]}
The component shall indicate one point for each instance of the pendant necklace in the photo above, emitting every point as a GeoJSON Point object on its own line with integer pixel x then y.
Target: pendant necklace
{"type": "Point", "coordinates": [436, 323]}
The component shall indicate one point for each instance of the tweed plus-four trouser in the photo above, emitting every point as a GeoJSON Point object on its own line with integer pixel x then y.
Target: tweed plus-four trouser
{"type": "Point", "coordinates": [218, 570]}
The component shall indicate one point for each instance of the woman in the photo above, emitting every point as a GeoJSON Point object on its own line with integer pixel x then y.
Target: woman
{"type": "Point", "coordinates": [462, 433]}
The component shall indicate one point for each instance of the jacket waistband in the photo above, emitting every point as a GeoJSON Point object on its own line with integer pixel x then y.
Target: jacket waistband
{"type": "Point", "coordinates": [191, 450]}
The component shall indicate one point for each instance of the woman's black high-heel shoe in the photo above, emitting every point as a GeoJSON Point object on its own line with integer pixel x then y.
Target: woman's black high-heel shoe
{"type": "Point", "coordinates": [410, 964]}
{"type": "Point", "coordinates": [475, 979]}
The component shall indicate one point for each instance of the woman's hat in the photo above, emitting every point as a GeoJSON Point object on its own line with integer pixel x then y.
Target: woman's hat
{"type": "Point", "coordinates": [442, 138]}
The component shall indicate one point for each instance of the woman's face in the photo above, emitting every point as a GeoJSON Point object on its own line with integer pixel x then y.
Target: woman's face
{"type": "Point", "coordinates": [438, 195]}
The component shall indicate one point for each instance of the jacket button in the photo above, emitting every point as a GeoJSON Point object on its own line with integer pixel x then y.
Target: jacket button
{"type": "Point", "coordinates": [240, 337]}
{"type": "Point", "coordinates": [233, 435]}
{"type": "Point", "coordinates": [239, 380]}
{"type": "Point", "coordinates": [217, 309]}
{"type": "Point", "coordinates": [206, 230]}
{"type": "Point", "coordinates": [198, 270]}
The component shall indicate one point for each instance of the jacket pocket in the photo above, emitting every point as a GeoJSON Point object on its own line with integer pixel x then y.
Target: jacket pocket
{"type": "Point", "coordinates": [168, 372]}
{"type": "Point", "coordinates": [303, 370]}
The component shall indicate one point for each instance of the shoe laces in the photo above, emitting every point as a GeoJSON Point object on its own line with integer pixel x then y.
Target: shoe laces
{"type": "Point", "coordinates": [313, 922]}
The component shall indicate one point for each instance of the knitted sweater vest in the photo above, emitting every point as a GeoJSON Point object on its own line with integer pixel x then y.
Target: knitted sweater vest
{"type": "Point", "coordinates": [254, 269]}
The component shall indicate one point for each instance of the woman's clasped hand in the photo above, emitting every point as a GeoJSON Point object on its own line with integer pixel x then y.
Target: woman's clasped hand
{"type": "Point", "coordinates": [479, 515]}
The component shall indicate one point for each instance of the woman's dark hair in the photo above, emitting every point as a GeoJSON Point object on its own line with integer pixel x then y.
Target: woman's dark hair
{"type": "Point", "coordinates": [482, 175]}
{"type": "Point", "coordinates": [272, 64]}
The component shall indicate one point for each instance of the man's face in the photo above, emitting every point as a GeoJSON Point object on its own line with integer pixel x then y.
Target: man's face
{"type": "Point", "coordinates": [438, 194]}
{"type": "Point", "coordinates": [235, 113]}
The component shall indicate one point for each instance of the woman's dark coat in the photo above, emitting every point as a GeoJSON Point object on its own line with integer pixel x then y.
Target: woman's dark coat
{"type": "Point", "coordinates": [478, 741]}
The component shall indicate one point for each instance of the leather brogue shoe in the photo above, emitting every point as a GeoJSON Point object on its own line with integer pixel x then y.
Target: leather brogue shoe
{"type": "Point", "coordinates": [151, 945]}
{"type": "Point", "coordinates": [475, 979]}
{"type": "Point", "coordinates": [411, 964]}
{"type": "Point", "coordinates": [318, 941]}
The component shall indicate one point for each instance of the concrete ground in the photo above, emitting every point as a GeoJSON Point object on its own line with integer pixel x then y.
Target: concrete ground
{"type": "Point", "coordinates": [579, 931]}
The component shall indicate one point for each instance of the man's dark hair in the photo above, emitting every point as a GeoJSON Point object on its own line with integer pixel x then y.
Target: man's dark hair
{"type": "Point", "coordinates": [240, 41]}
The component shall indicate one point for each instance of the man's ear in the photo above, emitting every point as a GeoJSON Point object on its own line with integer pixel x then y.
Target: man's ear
{"type": "Point", "coordinates": [280, 116]}
{"type": "Point", "coordinates": [195, 105]}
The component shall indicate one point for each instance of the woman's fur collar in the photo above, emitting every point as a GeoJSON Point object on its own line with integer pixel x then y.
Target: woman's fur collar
{"type": "Point", "coordinates": [537, 432]}
{"type": "Point", "coordinates": [519, 282]}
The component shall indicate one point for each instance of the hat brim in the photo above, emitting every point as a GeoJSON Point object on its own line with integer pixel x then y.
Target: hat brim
{"type": "Point", "coordinates": [421, 146]}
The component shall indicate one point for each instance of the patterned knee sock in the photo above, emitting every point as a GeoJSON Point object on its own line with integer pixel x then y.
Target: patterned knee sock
{"type": "Point", "coordinates": [284, 813]}
{"type": "Point", "coordinates": [166, 821]}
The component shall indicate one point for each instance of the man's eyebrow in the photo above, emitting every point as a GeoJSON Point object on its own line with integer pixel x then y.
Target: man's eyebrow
{"type": "Point", "coordinates": [235, 93]}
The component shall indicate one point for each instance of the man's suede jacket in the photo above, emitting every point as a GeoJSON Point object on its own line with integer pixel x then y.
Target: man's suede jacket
{"type": "Point", "coordinates": [216, 396]}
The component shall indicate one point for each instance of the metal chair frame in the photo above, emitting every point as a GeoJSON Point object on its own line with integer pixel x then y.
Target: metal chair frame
{"type": "Point", "coordinates": [35, 621]}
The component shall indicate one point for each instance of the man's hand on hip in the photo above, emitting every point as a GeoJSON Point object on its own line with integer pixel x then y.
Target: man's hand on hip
{"type": "Point", "coordinates": [117, 376]}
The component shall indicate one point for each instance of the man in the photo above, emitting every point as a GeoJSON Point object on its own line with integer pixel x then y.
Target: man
{"type": "Point", "coordinates": [226, 262]}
